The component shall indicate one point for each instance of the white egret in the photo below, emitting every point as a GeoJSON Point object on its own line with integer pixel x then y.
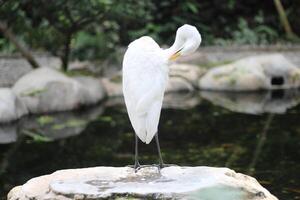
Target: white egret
{"type": "Point", "coordinates": [145, 76]}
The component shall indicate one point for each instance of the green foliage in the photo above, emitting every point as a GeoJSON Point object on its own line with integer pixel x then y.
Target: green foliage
{"type": "Point", "coordinates": [244, 34]}
{"type": "Point", "coordinates": [95, 29]}
{"type": "Point", "coordinates": [6, 46]}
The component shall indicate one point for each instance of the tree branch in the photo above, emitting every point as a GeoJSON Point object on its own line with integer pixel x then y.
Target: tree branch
{"type": "Point", "coordinates": [11, 37]}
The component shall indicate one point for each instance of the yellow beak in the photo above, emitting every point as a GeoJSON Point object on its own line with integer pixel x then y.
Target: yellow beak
{"type": "Point", "coordinates": [174, 56]}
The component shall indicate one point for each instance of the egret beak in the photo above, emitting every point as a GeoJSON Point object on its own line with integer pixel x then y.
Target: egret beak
{"type": "Point", "coordinates": [175, 55]}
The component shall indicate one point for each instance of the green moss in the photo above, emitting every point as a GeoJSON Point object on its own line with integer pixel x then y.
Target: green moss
{"type": "Point", "coordinates": [105, 118]}
{"type": "Point", "coordinates": [116, 79]}
{"type": "Point", "coordinates": [296, 77]}
{"type": "Point", "coordinates": [81, 72]}
{"type": "Point", "coordinates": [218, 76]}
{"type": "Point", "coordinates": [215, 64]}
{"type": "Point", "coordinates": [33, 93]}
{"type": "Point", "coordinates": [232, 81]}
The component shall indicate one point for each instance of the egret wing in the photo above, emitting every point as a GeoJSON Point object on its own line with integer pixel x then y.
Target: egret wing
{"type": "Point", "coordinates": [143, 87]}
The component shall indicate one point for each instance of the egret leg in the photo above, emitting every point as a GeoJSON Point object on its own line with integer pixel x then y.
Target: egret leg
{"type": "Point", "coordinates": [137, 165]}
{"type": "Point", "coordinates": [161, 162]}
{"type": "Point", "coordinates": [136, 159]}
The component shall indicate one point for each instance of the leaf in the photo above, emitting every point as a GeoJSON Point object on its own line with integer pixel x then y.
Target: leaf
{"type": "Point", "coordinates": [192, 7]}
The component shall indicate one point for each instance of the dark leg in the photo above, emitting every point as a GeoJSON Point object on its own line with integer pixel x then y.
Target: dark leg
{"type": "Point", "coordinates": [161, 162]}
{"type": "Point", "coordinates": [136, 159]}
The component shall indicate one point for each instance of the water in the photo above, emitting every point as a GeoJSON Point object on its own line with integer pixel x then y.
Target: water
{"type": "Point", "coordinates": [254, 133]}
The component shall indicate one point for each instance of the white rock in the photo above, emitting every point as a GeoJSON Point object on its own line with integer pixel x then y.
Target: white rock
{"type": "Point", "coordinates": [113, 85]}
{"type": "Point", "coordinates": [172, 182]}
{"type": "Point", "coordinates": [46, 90]}
{"type": "Point", "coordinates": [272, 71]}
{"type": "Point", "coordinates": [94, 87]}
{"type": "Point", "coordinates": [14, 67]}
{"type": "Point", "coordinates": [11, 108]}
{"type": "Point", "coordinates": [177, 84]}
{"type": "Point", "coordinates": [190, 73]}
{"type": "Point", "coordinates": [181, 100]}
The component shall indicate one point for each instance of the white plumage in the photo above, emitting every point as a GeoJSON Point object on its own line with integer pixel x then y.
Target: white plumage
{"type": "Point", "coordinates": [145, 76]}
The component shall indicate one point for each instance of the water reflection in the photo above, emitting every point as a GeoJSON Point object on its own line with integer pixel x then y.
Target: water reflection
{"type": "Point", "coordinates": [49, 127]}
{"type": "Point", "coordinates": [8, 133]}
{"type": "Point", "coordinates": [277, 101]}
{"type": "Point", "coordinates": [193, 132]}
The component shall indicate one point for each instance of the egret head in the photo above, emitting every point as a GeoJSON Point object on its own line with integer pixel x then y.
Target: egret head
{"type": "Point", "coordinates": [186, 42]}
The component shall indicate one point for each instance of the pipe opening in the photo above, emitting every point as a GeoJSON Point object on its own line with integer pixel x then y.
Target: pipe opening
{"type": "Point", "coordinates": [277, 80]}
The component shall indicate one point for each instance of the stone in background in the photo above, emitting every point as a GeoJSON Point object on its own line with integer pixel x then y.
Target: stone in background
{"type": "Point", "coordinates": [13, 67]}
{"type": "Point", "coordinates": [264, 72]}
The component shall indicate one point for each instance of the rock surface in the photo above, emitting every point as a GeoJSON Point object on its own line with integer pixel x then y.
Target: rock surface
{"type": "Point", "coordinates": [253, 73]}
{"type": "Point", "coordinates": [11, 107]}
{"type": "Point", "coordinates": [13, 67]}
{"type": "Point", "coordinates": [172, 182]}
{"type": "Point", "coordinates": [47, 90]}
{"type": "Point", "coordinates": [190, 73]}
{"type": "Point", "coordinates": [215, 55]}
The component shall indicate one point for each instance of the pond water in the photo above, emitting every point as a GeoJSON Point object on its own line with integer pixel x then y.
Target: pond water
{"type": "Point", "coordinates": [254, 133]}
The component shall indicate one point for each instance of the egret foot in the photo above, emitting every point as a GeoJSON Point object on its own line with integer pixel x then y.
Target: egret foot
{"type": "Point", "coordinates": [137, 167]}
{"type": "Point", "coordinates": [163, 165]}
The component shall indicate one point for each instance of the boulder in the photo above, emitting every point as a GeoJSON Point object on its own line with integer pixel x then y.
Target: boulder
{"type": "Point", "coordinates": [183, 77]}
{"type": "Point", "coordinates": [177, 84]}
{"type": "Point", "coordinates": [181, 100]}
{"type": "Point", "coordinates": [94, 88]}
{"type": "Point", "coordinates": [11, 107]}
{"type": "Point", "coordinates": [47, 90]}
{"type": "Point", "coordinates": [14, 67]}
{"type": "Point", "coordinates": [190, 73]}
{"type": "Point", "coordinates": [170, 183]}
{"type": "Point", "coordinates": [113, 85]}
{"type": "Point", "coordinates": [267, 72]}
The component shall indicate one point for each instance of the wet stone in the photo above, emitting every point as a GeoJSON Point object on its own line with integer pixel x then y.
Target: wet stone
{"type": "Point", "coordinates": [123, 182]}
